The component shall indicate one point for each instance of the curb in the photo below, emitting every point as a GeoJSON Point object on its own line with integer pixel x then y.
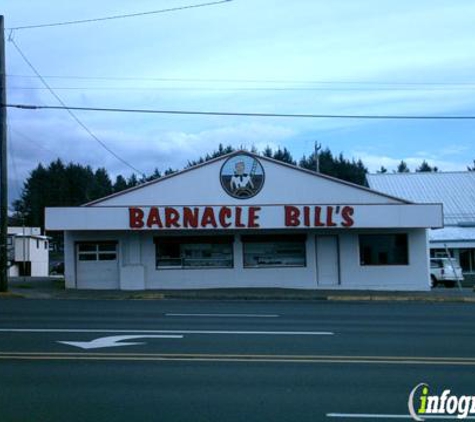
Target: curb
{"type": "Point", "coordinates": [63, 295]}
{"type": "Point", "coordinates": [402, 299]}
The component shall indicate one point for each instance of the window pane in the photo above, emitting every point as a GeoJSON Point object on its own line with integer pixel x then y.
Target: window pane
{"type": "Point", "coordinates": [107, 247]}
{"type": "Point", "coordinates": [277, 253]}
{"type": "Point", "coordinates": [383, 249]}
{"type": "Point", "coordinates": [207, 255]}
{"type": "Point", "coordinates": [168, 254]}
{"type": "Point", "coordinates": [87, 247]}
{"type": "Point", "coordinates": [111, 256]}
{"type": "Point", "coordinates": [190, 253]}
{"type": "Point", "coordinates": [87, 257]}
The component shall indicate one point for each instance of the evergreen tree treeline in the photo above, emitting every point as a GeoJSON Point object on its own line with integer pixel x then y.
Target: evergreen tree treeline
{"type": "Point", "coordinates": [61, 184]}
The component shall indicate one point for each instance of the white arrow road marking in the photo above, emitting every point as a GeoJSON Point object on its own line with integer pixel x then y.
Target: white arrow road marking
{"type": "Point", "coordinates": [112, 341]}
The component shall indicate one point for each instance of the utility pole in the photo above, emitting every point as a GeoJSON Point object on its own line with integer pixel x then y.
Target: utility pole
{"type": "Point", "coordinates": [318, 147]}
{"type": "Point", "coordinates": [3, 164]}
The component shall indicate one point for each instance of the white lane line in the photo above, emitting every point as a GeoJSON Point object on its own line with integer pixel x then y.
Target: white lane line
{"type": "Point", "coordinates": [86, 330]}
{"type": "Point", "coordinates": [224, 315]}
{"type": "Point", "coordinates": [382, 416]}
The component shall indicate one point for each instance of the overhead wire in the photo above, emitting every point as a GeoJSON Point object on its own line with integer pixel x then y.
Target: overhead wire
{"type": "Point", "coordinates": [70, 111]}
{"type": "Point", "coordinates": [123, 16]}
{"type": "Point", "coordinates": [245, 114]}
{"type": "Point", "coordinates": [238, 89]}
{"type": "Point", "coordinates": [31, 141]}
{"type": "Point", "coordinates": [236, 80]}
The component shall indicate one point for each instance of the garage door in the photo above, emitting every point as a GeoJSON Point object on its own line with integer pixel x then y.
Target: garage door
{"type": "Point", "coordinates": [97, 265]}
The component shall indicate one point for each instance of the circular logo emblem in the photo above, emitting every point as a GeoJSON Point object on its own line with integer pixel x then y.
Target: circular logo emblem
{"type": "Point", "coordinates": [242, 176]}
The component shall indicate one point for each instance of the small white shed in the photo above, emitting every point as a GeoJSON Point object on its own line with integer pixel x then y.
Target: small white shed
{"type": "Point", "coordinates": [28, 252]}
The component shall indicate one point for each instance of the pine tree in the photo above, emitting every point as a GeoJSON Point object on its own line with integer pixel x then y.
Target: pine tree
{"type": "Point", "coordinates": [283, 155]}
{"type": "Point", "coordinates": [120, 184]}
{"type": "Point", "coordinates": [267, 152]}
{"type": "Point", "coordinates": [402, 167]}
{"type": "Point", "coordinates": [132, 181]}
{"type": "Point", "coordinates": [425, 167]}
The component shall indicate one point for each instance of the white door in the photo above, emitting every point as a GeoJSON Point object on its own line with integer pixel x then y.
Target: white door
{"type": "Point", "coordinates": [328, 266]}
{"type": "Point", "coordinates": [97, 265]}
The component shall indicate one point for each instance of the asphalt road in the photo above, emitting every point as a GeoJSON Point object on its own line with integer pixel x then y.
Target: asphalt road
{"type": "Point", "coordinates": [228, 361]}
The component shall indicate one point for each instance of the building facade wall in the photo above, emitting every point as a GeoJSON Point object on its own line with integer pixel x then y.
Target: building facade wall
{"type": "Point", "coordinates": [137, 265]}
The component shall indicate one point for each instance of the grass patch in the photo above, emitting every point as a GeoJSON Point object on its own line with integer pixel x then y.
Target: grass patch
{"type": "Point", "coordinates": [146, 295]}
{"type": "Point", "coordinates": [59, 284]}
{"type": "Point", "coordinates": [9, 295]}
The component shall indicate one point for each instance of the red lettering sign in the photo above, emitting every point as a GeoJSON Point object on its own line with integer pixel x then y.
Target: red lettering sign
{"type": "Point", "coordinates": [318, 217]}
{"type": "Point", "coordinates": [225, 214]}
{"type": "Point", "coordinates": [253, 217]}
{"type": "Point", "coordinates": [238, 221]}
{"type": "Point", "coordinates": [171, 217]}
{"type": "Point", "coordinates": [190, 217]}
{"type": "Point", "coordinates": [292, 215]}
{"type": "Point", "coordinates": [330, 222]}
{"type": "Point", "coordinates": [347, 216]}
{"type": "Point", "coordinates": [213, 217]}
{"type": "Point", "coordinates": [154, 218]}
{"type": "Point", "coordinates": [208, 218]}
{"type": "Point", "coordinates": [136, 218]}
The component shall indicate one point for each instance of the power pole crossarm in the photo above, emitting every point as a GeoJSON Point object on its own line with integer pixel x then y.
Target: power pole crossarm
{"type": "Point", "coordinates": [318, 147]}
{"type": "Point", "coordinates": [3, 164]}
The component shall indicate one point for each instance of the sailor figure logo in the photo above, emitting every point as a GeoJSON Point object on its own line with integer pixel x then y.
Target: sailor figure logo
{"type": "Point", "coordinates": [242, 176]}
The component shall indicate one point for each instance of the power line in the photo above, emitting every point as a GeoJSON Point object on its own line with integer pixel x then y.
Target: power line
{"type": "Point", "coordinates": [264, 81]}
{"type": "Point", "coordinates": [31, 141]}
{"type": "Point", "coordinates": [70, 112]}
{"type": "Point", "coordinates": [243, 114]}
{"type": "Point", "coordinates": [108, 18]}
{"type": "Point", "coordinates": [220, 89]}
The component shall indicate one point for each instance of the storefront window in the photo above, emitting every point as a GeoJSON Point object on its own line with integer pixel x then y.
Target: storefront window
{"type": "Point", "coordinates": [383, 249]}
{"type": "Point", "coordinates": [194, 252]}
{"type": "Point", "coordinates": [271, 251]}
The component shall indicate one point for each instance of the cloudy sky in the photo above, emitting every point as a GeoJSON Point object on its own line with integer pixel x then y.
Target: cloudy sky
{"type": "Point", "coordinates": [273, 56]}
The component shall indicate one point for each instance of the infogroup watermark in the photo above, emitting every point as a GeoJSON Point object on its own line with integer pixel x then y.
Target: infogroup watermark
{"type": "Point", "coordinates": [422, 404]}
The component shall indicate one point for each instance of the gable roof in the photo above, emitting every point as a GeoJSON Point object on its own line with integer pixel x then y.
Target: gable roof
{"type": "Point", "coordinates": [317, 176]}
{"type": "Point", "coordinates": [455, 190]}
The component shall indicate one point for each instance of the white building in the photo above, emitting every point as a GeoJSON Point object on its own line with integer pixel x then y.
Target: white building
{"type": "Point", "coordinates": [28, 252]}
{"type": "Point", "coordinates": [456, 191]}
{"type": "Point", "coordinates": [246, 221]}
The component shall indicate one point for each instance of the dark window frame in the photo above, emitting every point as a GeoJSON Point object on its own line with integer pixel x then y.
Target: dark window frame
{"type": "Point", "coordinates": [362, 253]}
{"type": "Point", "coordinates": [182, 241]}
{"type": "Point", "coordinates": [95, 250]}
{"type": "Point", "coordinates": [273, 238]}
